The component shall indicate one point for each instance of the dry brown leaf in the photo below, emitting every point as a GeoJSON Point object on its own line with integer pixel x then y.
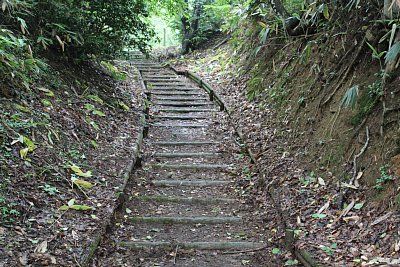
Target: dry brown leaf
{"type": "Point", "coordinates": [381, 219]}
{"type": "Point", "coordinates": [41, 248]}
{"type": "Point", "coordinates": [351, 218]}
{"type": "Point", "coordinates": [347, 209]}
{"type": "Point", "coordinates": [23, 259]}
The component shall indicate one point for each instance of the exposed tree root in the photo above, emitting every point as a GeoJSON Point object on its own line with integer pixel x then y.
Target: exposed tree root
{"type": "Point", "coordinates": [359, 155]}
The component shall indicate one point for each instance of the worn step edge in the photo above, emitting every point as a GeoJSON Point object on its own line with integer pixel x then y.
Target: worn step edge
{"type": "Point", "coordinates": [166, 93]}
{"type": "Point", "coordinates": [187, 110]}
{"type": "Point", "coordinates": [164, 84]}
{"type": "Point", "coordinates": [186, 89]}
{"type": "Point", "coordinates": [191, 166]}
{"type": "Point", "coordinates": [193, 245]}
{"type": "Point", "coordinates": [180, 117]}
{"type": "Point", "coordinates": [186, 143]}
{"type": "Point", "coordinates": [192, 99]}
{"type": "Point", "coordinates": [160, 77]}
{"type": "Point", "coordinates": [185, 220]}
{"type": "Point", "coordinates": [187, 155]}
{"type": "Point", "coordinates": [196, 183]}
{"type": "Point", "coordinates": [182, 104]}
{"type": "Point", "coordinates": [180, 125]}
{"type": "Point", "coordinates": [164, 80]}
{"type": "Point", "coordinates": [185, 200]}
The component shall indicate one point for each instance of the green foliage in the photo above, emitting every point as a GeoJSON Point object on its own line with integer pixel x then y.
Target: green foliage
{"type": "Point", "coordinates": [383, 178]}
{"type": "Point", "coordinates": [349, 99]}
{"type": "Point", "coordinates": [17, 66]}
{"type": "Point", "coordinates": [368, 101]}
{"type": "Point", "coordinates": [393, 53]}
{"type": "Point", "coordinates": [77, 29]}
{"type": "Point", "coordinates": [113, 71]}
{"type": "Point", "coordinates": [329, 250]}
{"type": "Point", "coordinates": [93, 28]}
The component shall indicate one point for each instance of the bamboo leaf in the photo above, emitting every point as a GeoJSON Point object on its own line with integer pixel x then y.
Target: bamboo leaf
{"type": "Point", "coordinates": [392, 53]}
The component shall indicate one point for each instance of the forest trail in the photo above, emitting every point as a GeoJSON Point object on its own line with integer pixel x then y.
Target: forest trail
{"type": "Point", "coordinates": [183, 207]}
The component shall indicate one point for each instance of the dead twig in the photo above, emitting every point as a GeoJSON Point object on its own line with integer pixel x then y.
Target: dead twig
{"type": "Point", "coordinates": [176, 253]}
{"type": "Point", "coordinates": [359, 155]}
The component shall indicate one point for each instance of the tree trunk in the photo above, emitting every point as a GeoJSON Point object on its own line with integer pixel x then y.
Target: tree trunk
{"type": "Point", "coordinates": [293, 25]}
{"type": "Point", "coordinates": [190, 29]}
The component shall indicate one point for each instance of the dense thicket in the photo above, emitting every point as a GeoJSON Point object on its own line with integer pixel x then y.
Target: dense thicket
{"type": "Point", "coordinates": [76, 29]}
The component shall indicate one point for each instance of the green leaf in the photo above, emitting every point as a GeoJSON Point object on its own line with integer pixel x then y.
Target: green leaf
{"type": "Point", "coordinates": [95, 98]}
{"type": "Point", "coordinates": [392, 54]}
{"type": "Point", "coordinates": [24, 152]}
{"type": "Point", "coordinates": [46, 103]}
{"type": "Point", "coordinates": [79, 172]}
{"type": "Point", "coordinates": [94, 143]}
{"type": "Point", "coordinates": [82, 183]}
{"type": "Point", "coordinates": [22, 108]}
{"type": "Point", "coordinates": [358, 206]}
{"type": "Point", "coordinates": [318, 215]}
{"type": "Point", "coordinates": [350, 98]}
{"type": "Point", "coordinates": [326, 11]}
{"type": "Point", "coordinates": [71, 202]}
{"type": "Point", "coordinates": [123, 106]}
{"type": "Point", "coordinates": [276, 251]}
{"type": "Point", "coordinates": [89, 107]}
{"type": "Point", "coordinates": [291, 262]}
{"type": "Point", "coordinates": [72, 205]}
{"type": "Point", "coordinates": [46, 91]}
{"type": "Point", "coordinates": [99, 113]}
{"type": "Point", "coordinates": [81, 207]}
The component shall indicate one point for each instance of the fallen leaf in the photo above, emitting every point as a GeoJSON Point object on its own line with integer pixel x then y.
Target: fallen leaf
{"type": "Point", "coordinates": [41, 248]}
{"type": "Point", "coordinates": [79, 172]}
{"type": "Point", "coordinates": [82, 183]}
{"type": "Point", "coordinates": [23, 259]}
{"type": "Point", "coordinates": [347, 209]}
{"type": "Point", "coordinates": [358, 206]}
{"type": "Point", "coordinates": [381, 219]}
{"type": "Point", "coordinates": [351, 218]}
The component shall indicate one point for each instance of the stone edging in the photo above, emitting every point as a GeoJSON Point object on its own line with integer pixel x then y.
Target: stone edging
{"type": "Point", "coordinates": [301, 255]}
{"type": "Point", "coordinates": [88, 255]}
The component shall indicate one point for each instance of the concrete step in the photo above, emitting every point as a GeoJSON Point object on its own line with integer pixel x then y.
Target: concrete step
{"type": "Point", "coordinates": [180, 117]}
{"type": "Point", "coordinates": [186, 143]}
{"type": "Point", "coordinates": [175, 93]}
{"type": "Point", "coordinates": [185, 220]}
{"type": "Point", "coordinates": [193, 245]}
{"type": "Point", "coordinates": [180, 125]}
{"type": "Point", "coordinates": [183, 99]}
{"type": "Point", "coordinates": [175, 88]}
{"type": "Point", "coordinates": [187, 155]}
{"type": "Point", "coordinates": [164, 84]}
{"type": "Point", "coordinates": [187, 110]}
{"type": "Point", "coordinates": [182, 104]}
{"type": "Point", "coordinates": [185, 200]}
{"type": "Point", "coordinates": [189, 183]}
{"type": "Point", "coordinates": [191, 166]}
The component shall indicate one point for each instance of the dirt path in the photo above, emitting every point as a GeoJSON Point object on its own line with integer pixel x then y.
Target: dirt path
{"type": "Point", "coordinates": [183, 207]}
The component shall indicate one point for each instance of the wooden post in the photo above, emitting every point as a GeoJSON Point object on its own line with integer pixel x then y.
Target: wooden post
{"type": "Point", "coordinates": [165, 37]}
